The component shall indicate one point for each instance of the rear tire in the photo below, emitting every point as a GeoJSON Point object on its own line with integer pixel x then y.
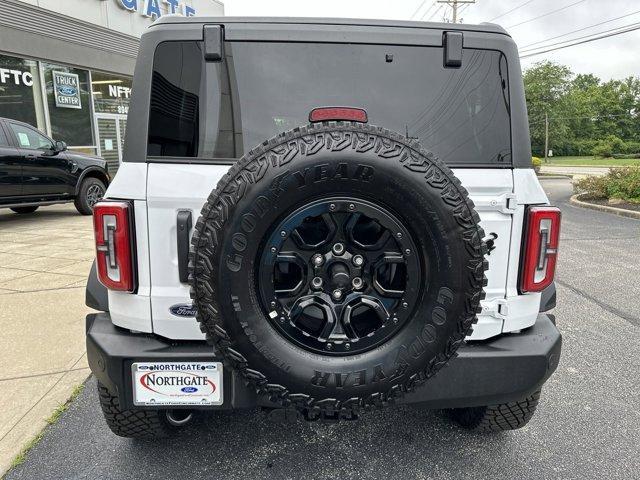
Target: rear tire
{"type": "Point", "coordinates": [90, 192]}
{"type": "Point", "coordinates": [24, 210]}
{"type": "Point", "coordinates": [497, 418]}
{"type": "Point", "coordinates": [143, 424]}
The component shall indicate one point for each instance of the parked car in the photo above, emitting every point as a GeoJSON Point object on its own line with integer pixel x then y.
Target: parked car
{"type": "Point", "coordinates": [36, 171]}
{"type": "Point", "coordinates": [319, 217]}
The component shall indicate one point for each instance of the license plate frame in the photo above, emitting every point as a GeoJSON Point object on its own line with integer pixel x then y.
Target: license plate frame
{"type": "Point", "coordinates": [177, 384]}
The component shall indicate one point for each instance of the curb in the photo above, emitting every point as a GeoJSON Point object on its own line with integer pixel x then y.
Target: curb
{"type": "Point", "coordinates": [604, 208]}
{"type": "Point", "coordinates": [554, 177]}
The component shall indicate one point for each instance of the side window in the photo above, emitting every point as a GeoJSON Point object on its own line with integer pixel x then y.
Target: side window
{"type": "Point", "coordinates": [190, 113]}
{"type": "Point", "coordinates": [29, 138]}
{"type": "Point", "coordinates": [3, 138]}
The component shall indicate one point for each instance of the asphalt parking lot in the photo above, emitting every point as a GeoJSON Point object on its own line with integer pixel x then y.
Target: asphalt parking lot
{"type": "Point", "coordinates": [587, 425]}
{"type": "Point", "coordinates": [44, 261]}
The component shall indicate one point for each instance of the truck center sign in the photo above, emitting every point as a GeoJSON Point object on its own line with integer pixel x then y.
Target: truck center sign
{"type": "Point", "coordinates": [151, 8]}
{"type": "Point", "coordinates": [66, 87]}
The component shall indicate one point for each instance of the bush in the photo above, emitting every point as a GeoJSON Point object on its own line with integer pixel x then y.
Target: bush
{"type": "Point", "coordinates": [592, 187]}
{"type": "Point", "coordinates": [537, 163]}
{"type": "Point", "coordinates": [622, 183]}
{"type": "Point", "coordinates": [608, 146]}
{"type": "Point", "coordinates": [626, 156]}
{"type": "Point", "coordinates": [633, 148]}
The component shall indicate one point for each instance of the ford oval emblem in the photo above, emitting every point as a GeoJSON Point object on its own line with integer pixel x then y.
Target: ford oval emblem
{"type": "Point", "coordinates": [189, 389]}
{"type": "Point", "coordinates": [68, 91]}
{"type": "Point", "coordinates": [183, 310]}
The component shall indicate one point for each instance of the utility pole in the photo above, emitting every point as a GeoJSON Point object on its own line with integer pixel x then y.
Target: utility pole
{"type": "Point", "coordinates": [454, 6]}
{"type": "Point", "coordinates": [546, 137]}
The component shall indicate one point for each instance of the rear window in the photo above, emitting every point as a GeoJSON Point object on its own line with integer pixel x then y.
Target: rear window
{"type": "Point", "coordinates": [220, 110]}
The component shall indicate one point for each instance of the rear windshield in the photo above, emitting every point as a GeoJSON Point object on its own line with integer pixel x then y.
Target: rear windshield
{"type": "Point", "coordinates": [220, 110]}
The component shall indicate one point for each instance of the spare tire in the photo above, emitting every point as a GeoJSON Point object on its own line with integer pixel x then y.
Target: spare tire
{"type": "Point", "coordinates": [336, 267]}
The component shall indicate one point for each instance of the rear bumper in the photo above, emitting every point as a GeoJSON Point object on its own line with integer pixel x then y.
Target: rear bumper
{"type": "Point", "coordinates": [500, 370]}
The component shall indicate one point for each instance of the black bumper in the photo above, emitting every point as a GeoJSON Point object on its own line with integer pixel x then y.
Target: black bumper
{"type": "Point", "coordinates": [501, 370]}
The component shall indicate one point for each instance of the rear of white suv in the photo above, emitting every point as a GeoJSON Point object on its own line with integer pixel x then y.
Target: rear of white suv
{"type": "Point", "coordinates": [451, 106]}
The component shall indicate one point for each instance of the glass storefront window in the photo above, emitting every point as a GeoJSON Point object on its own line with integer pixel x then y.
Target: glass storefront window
{"type": "Point", "coordinates": [20, 93]}
{"type": "Point", "coordinates": [111, 93]}
{"type": "Point", "coordinates": [69, 103]}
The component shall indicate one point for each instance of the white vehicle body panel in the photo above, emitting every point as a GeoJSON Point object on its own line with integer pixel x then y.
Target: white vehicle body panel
{"type": "Point", "coordinates": [500, 196]}
{"type": "Point", "coordinates": [172, 188]}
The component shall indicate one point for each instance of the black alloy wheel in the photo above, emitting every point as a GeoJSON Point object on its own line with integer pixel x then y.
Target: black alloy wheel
{"type": "Point", "coordinates": [95, 192]}
{"type": "Point", "coordinates": [334, 276]}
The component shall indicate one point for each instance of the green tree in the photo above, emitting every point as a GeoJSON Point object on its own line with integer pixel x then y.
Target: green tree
{"type": "Point", "coordinates": [546, 87]}
{"type": "Point", "coordinates": [585, 114]}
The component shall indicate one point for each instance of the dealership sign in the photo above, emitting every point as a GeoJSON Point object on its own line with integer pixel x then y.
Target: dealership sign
{"type": "Point", "coordinates": [17, 77]}
{"type": "Point", "coordinates": [66, 88]}
{"type": "Point", "coordinates": [151, 8]}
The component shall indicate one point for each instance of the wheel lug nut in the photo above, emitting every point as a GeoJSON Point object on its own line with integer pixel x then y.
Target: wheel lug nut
{"type": "Point", "coordinates": [317, 259]}
{"type": "Point", "coordinates": [399, 234]}
{"type": "Point", "coordinates": [357, 283]}
{"type": "Point", "coordinates": [273, 304]}
{"type": "Point", "coordinates": [329, 346]}
{"type": "Point", "coordinates": [337, 294]}
{"type": "Point", "coordinates": [338, 249]}
{"type": "Point", "coordinates": [332, 206]}
{"type": "Point", "coordinates": [407, 252]}
{"type": "Point", "coordinates": [352, 206]}
{"type": "Point", "coordinates": [274, 249]}
{"type": "Point", "coordinates": [316, 283]}
{"type": "Point", "coordinates": [405, 305]}
{"type": "Point", "coordinates": [358, 260]}
{"type": "Point", "coordinates": [283, 233]}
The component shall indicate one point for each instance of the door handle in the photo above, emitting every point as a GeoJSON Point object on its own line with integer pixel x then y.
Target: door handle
{"type": "Point", "coordinates": [31, 155]}
{"type": "Point", "coordinates": [183, 224]}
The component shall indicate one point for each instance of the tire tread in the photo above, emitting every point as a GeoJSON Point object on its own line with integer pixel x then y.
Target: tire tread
{"type": "Point", "coordinates": [280, 150]}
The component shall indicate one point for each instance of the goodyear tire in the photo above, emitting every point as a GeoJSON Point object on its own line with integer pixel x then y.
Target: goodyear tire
{"type": "Point", "coordinates": [310, 201]}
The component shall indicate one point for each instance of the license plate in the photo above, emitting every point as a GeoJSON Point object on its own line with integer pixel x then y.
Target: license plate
{"type": "Point", "coordinates": [177, 383]}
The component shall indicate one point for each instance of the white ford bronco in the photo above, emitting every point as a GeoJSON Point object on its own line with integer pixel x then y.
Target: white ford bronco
{"type": "Point", "coordinates": [321, 217]}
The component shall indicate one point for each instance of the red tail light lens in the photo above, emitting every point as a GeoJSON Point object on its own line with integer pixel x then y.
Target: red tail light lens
{"type": "Point", "coordinates": [113, 232]}
{"type": "Point", "coordinates": [540, 249]}
{"type": "Point", "coordinates": [325, 114]}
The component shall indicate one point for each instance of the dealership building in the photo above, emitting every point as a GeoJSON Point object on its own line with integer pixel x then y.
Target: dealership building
{"type": "Point", "coordinates": [66, 65]}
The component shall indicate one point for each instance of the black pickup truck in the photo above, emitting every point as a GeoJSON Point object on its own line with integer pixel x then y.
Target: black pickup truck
{"type": "Point", "coordinates": [36, 170]}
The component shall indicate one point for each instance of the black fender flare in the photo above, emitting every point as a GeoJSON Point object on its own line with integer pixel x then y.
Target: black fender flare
{"type": "Point", "coordinates": [103, 176]}
{"type": "Point", "coordinates": [96, 294]}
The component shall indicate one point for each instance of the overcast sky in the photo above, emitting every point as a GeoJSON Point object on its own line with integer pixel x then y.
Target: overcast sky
{"type": "Point", "coordinates": [615, 57]}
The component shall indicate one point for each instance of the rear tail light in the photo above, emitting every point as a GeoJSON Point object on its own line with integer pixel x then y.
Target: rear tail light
{"type": "Point", "coordinates": [325, 114]}
{"type": "Point", "coordinates": [540, 248]}
{"type": "Point", "coordinates": [114, 247]}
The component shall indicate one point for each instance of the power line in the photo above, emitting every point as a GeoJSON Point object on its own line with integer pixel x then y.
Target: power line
{"type": "Point", "coordinates": [530, 50]}
{"type": "Point", "coordinates": [435, 13]}
{"type": "Point", "coordinates": [418, 9]}
{"type": "Point", "coordinates": [463, 9]}
{"type": "Point", "coordinates": [547, 14]}
{"type": "Point", "coordinates": [426, 12]}
{"type": "Point", "coordinates": [512, 10]}
{"type": "Point", "coordinates": [454, 6]}
{"type": "Point", "coordinates": [579, 30]}
{"type": "Point", "coordinates": [600, 37]}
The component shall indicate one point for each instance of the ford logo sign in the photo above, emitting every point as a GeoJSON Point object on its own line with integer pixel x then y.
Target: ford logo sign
{"type": "Point", "coordinates": [183, 310]}
{"type": "Point", "coordinates": [189, 389]}
{"type": "Point", "coordinates": [68, 91]}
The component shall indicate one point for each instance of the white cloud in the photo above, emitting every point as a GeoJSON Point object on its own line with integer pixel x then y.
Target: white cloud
{"type": "Point", "coordinates": [614, 57]}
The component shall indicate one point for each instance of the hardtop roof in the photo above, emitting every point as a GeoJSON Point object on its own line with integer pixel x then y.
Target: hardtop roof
{"type": "Point", "coordinates": [343, 22]}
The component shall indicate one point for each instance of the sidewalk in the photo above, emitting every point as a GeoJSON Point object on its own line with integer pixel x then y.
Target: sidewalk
{"type": "Point", "coordinates": [45, 258]}
{"type": "Point", "coordinates": [568, 170]}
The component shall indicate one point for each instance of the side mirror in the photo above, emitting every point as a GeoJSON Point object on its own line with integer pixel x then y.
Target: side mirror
{"type": "Point", "coordinates": [60, 146]}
